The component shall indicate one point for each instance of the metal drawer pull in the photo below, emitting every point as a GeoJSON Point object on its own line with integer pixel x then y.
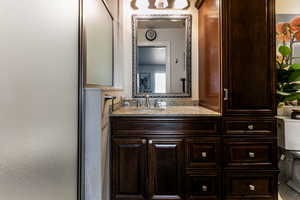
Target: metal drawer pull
{"type": "Point", "coordinates": [251, 127]}
{"type": "Point", "coordinates": [144, 141]}
{"type": "Point", "coordinates": [251, 187]}
{"type": "Point", "coordinates": [226, 94]}
{"type": "Point", "coordinates": [251, 154]}
{"type": "Point", "coordinates": [204, 188]}
{"type": "Point", "coordinates": [204, 154]}
{"type": "Point", "coordinates": [150, 141]}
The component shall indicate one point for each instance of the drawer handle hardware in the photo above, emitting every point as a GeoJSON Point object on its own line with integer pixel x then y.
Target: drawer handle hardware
{"type": "Point", "coordinates": [204, 154]}
{"type": "Point", "coordinates": [144, 141]}
{"type": "Point", "coordinates": [150, 141]}
{"type": "Point", "coordinates": [204, 188]}
{"type": "Point", "coordinates": [251, 127]}
{"type": "Point", "coordinates": [225, 94]}
{"type": "Point", "coordinates": [251, 154]}
{"type": "Point", "coordinates": [251, 187]}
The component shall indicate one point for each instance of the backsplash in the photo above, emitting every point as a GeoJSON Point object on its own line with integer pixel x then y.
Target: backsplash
{"type": "Point", "coordinates": [169, 102]}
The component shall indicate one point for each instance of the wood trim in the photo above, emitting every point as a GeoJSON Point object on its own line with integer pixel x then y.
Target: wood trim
{"type": "Point", "coordinates": [228, 107]}
{"type": "Point", "coordinates": [199, 3]}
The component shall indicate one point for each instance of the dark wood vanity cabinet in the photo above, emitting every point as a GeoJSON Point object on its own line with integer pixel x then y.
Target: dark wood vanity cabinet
{"type": "Point", "coordinates": [165, 158]}
{"type": "Point", "coordinates": [237, 56]}
{"type": "Point", "coordinates": [129, 170]}
{"type": "Point", "coordinates": [249, 57]}
{"type": "Point", "coordinates": [193, 158]}
{"type": "Point", "coordinates": [149, 167]}
{"type": "Point", "coordinates": [238, 79]}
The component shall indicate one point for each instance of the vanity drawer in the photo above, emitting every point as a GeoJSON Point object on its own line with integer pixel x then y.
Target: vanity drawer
{"type": "Point", "coordinates": [203, 185]}
{"type": "Point", "coordinates": [203, 153]}
{"type": "Point", "coordinates": [250, 185]}
{"type": "Point", "coordinates": [249, 127]}
{"type": "Point", "coordinates": [250, 153]}
{"type": "Point", "coordinates": [164, 125]}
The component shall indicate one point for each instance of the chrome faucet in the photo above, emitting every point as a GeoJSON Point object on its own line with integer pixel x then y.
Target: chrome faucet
{"type": "Point", "coordinates": [147, 101]}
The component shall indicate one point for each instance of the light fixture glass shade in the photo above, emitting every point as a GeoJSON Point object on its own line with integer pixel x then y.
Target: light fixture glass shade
{"type": "Point", "coordinates": [142, 4]}
{"type": "Point", "coordinates": [161, 3]}
{"type": "Point", "coordinates": [181, 4]}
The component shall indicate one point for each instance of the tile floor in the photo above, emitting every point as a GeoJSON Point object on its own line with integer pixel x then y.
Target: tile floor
{"type": "Point", "coordinates": [286, 193]}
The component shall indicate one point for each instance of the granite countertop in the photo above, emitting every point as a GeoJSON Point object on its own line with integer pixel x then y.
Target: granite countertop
{"type": "Point", "coordinates": [169, 111]}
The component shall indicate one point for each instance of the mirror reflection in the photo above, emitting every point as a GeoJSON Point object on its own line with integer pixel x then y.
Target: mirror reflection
{"type": "Point", "coordinates": [162, 60]}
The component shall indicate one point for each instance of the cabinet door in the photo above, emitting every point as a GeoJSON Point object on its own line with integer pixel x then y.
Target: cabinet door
{"type": "Point", "coordinates": [249, 57]}
{"type": "Point", "coordinates": [129, 169]}
{"type": "Point", "coordinates": [166, 159]}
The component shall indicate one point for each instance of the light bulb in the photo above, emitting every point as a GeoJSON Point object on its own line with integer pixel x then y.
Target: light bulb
{"type": "Point", "coordinates": [181, 4]}
{"type": "Point", "coordinates": [161, 3]}
{"type": "Point", "coordinates": [142, 4]}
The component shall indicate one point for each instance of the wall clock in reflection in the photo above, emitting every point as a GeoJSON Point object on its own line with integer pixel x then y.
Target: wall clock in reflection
{"type": "Point", "coordinates": [151, 35]}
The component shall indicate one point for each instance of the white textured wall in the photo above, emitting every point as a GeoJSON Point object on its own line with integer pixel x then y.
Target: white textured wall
{"type": "Point", "coordinates": [38, 101]}
{"type": "Point", "coordinates": [287, 6]}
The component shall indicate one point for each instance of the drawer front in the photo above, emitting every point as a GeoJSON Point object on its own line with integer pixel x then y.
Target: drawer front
{"type": "Point", "coordinates": [250, 153]}
{"type": "Point", "coordinates": [258, 185]}
{"type": "Point", "coordinates": [203, 153]}
{"type": "Point", "coordinates": [249, 127]}
{"type": "Point", "coordinates": [203, 185]}
{"type": "Point", "coordinates": [160, 126]}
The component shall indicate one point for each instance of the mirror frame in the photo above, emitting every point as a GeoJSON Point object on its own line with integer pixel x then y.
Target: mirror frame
{"type": "Point", "coordinates": [188, 56]}
{"type": "Point", "coordinates": [84, 48]}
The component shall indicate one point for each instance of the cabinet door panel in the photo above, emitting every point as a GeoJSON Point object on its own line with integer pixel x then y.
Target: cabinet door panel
{"type": "Point", "coordinates": [249, 73]}
{"type": "Point", "coordinates": [166, 174]}
{"type": "Point", "coordinates": [129, 169]}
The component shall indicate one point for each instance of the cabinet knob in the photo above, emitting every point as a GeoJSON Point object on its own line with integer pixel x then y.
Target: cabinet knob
{"type": "Point", "coordinates": [150, 141]}
{"type": "Point", "coordinates": [204, 188]}
{"type": "Point", "coordinates": [204, 154]}
{"type": "Point", "coordinates": [251, 154]}
{"type": "Point", "coordinates": [251, 127]}
{"type": "Point", "coordinates": [251, 187]}
{"type": "Point", "coordinates": [144, 141]}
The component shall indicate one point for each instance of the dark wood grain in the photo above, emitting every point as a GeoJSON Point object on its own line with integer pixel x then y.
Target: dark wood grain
{"type": "Point", "coordinates": [203, 153]}
{"type": "Point", "coordinates": [250, 153]}
{"type": "Point", "coordinates": [237, 185]}
{"type": "Point", "coordinates": [203, 185]}
{"type": "Point", "coordinates": [209, 55]}
{"type": "Point", "coordinates": [129, 169]}
{"type": "Point", "coordinates": [174, 163]}
{"type": "Point", "coordinates": [249, 127]}
{"type": "Point", "coordinates": [166, 164]}
{"type": "Point", "coordinates": [248, 57]}
{"type": "Point", "coordinates": [161, 125]}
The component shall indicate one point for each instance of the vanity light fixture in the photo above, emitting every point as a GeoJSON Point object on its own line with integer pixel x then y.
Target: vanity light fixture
{"type": "Point", "coordinates": [161, 4]}
{"type": "Point", "coordinates": [181, 4]}
{"type": "Point", "coordinates": [142, 4]}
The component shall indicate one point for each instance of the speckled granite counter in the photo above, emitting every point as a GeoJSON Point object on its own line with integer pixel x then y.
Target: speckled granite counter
{"type": "Point", "coordinates": [169, 111]}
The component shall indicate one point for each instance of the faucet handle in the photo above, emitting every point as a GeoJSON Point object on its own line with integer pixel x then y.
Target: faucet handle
{"type": "Point", "coordinates": [138, 103]}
